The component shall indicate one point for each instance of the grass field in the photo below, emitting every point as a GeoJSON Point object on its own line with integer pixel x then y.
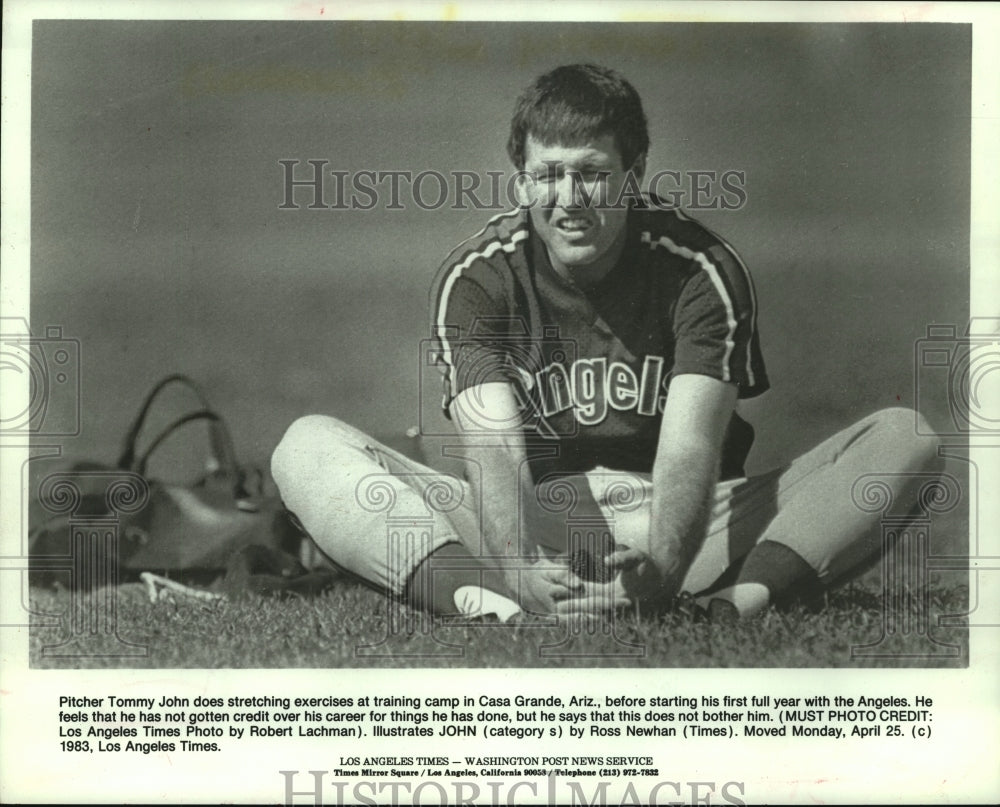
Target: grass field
{"type": "Point", "coordinates": [350, 626]}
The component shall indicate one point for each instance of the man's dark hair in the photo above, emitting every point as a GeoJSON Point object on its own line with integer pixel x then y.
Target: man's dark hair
{"type": "Point", "coordinates": [575, 103]}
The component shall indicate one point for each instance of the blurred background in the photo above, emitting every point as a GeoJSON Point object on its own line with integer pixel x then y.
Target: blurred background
{"type": "Point", "coordinates": [158, 242]}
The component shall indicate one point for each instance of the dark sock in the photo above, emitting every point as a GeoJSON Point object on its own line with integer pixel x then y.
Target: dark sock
{"type": "Point", "coordinates": [782, 570]}
{"type": "Point", "coordinates": [435, 592]}
{"type": "Point", "coordinates": [725, 580]}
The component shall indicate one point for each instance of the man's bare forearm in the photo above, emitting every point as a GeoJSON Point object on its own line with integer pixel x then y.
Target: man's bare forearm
{"type": "Point", "coordinates": [497, 467]}
{"type": "Point", "coordinates": [686, 469]}
{"type": "Point", "coordinates": [683, 484]}
{"type": "Point", "coordinates": [496, 474]}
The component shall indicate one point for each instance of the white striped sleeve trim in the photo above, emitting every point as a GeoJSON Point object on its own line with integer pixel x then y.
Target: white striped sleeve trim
{"type": "Point", "coordinates": [713, 274]}
{"type": "Point", "coordinates": [453, 275]}
{"type": "Point", "coordinates": [506, 214]}
{"type": "Point", "coordinates": [746, 274]}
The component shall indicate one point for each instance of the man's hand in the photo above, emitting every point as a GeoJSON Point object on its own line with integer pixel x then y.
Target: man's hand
{"type": "Point", "coordinates": [635, 580]}
{"type": "Point", "coordinates": [547, 584]}
{"type": "Point", "coordinates": [641, 580]}
{"type": "Point", "coordinates": [595, 599]}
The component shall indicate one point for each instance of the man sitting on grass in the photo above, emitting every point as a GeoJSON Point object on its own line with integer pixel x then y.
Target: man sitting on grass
{"type": "Point", "coordinates": [594, 343]}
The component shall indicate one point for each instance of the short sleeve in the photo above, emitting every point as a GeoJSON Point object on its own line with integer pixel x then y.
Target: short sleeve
{"type": "Point", "coordinates": [471, 327]}
{"type": "Point", "coordinates": [715, 324]}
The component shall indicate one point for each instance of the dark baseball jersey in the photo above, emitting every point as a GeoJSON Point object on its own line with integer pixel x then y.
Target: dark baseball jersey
{"type": "Point", "coordinates": [591, 368]}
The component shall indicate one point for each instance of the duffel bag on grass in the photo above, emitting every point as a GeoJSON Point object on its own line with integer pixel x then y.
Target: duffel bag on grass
{"type": "Point", "coordinates": [224, 528]}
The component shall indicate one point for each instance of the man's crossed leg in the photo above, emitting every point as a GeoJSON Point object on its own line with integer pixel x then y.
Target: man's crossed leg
{"type": "Point", "coordinates": [789, 533]}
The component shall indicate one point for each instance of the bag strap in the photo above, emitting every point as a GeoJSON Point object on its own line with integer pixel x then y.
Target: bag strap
{"type": "Point", "coordinates": [222, 454]}
{"type": "Point", "coordinates": [245, 500]}
{"type": "Point", "coordinates": [139, 465]}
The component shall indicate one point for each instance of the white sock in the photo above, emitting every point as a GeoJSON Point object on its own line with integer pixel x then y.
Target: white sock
{"type": "Point", "coordinates": [750, 599]}
{"type": "Point", "coordinates": [473, 601]}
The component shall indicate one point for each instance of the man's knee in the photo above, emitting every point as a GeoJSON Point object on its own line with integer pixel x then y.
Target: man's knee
{"type": "Point", "coordinates": [300, 442]}
{"type": "Point", "coordinates": [908, 432]}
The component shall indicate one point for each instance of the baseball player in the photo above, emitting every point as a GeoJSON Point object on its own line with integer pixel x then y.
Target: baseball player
{"type": "Point", "coordinates": [594, 343]}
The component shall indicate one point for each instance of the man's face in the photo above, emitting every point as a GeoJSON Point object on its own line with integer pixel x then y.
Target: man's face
{"type": "Point", "coordinates": [575, 205]}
